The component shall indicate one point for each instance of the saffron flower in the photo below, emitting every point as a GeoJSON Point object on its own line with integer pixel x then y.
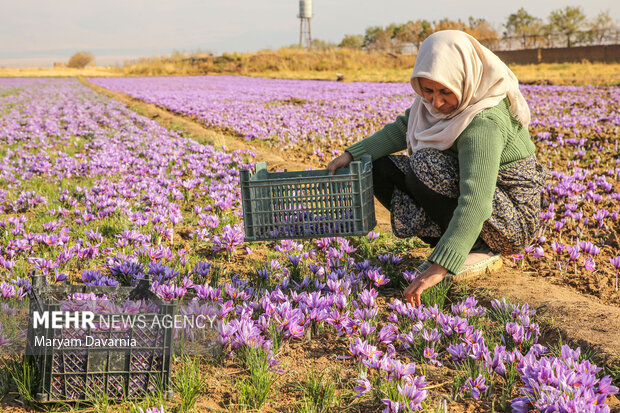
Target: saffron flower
{"type": "Point", "coordinates": [363, 386]}
{"type": "Point", "coordinates": [229, 239]}
{"type": "Point", "coordinates": [377, 277]}
{"type": "Point", "coordinates": [414, 394]}
{"type": "Point", "coordinates": [373, 235]}
{"type": "Point", "coordinates": [538, 253]}
{"type": "Point", "coordinates": [477, 387]}
{"type": "Point", "coordinates": [430, 353]}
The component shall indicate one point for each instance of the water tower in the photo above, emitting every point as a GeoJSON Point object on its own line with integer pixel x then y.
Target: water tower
{"type": "Point", "coordinates": [305, 14]}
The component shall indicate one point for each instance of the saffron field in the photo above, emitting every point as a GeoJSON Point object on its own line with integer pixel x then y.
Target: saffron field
{"type": "Point", "coordinates": [91, 192]}
{"type": "Point", "coordinates": [575, 129]}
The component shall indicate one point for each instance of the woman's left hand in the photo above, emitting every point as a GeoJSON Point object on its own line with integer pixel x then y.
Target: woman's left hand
{"type": "Point", "coordinates": [426, 280]}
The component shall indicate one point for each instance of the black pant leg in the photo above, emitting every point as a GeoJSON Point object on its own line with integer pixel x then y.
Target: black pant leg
{"type": "Point", "coordinates": [385, 177]}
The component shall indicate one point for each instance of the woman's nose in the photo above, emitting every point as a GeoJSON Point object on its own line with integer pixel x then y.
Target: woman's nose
{"type": "Point", "coordinates": [437, 101]}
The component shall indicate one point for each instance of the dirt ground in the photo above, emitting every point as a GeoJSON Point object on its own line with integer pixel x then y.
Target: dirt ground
{"type": "Point", "coordinates": [578, 318]}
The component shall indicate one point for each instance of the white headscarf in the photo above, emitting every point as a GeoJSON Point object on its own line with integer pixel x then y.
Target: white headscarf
{"type": "Point", "coordinates": [477, 77]}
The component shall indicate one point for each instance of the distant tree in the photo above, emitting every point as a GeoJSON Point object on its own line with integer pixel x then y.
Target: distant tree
{"type": "Point", "coordinates": [352, 41]}
{"type": "Point", "coordinates": [80, 60]}
{"type": "Point", "coordinates": [447, 24]}
{"type": "Point", "coordinates": [424, 28]}
{"type": "Point", "coordinates": [378, 39]}
{"type": "Point", "coordinates": [568, 21]}
{"type": "Point", "coordinates": [394, 44]}
{"type": "Point", "coordinates": [524, 26]}
{"type": "Point", "coordinates": [321, 45]}
{"type": "Point", "coordinates": [483, 32]}
{"type": "Point", "coordinates": [413, 32]}
{"type": "Point", "coordinates": [404, 33]}
{"type": "Point", "coordinates": [601, 28]}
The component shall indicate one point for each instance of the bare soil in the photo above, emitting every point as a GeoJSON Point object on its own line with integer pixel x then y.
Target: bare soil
{"type": "Point", "coordinates": [579, 318]}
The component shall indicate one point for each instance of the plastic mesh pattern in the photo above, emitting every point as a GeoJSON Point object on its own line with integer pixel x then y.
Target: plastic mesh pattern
{"type": "Point", "coordinates": [307, 204]}
{"type": "Point", "coordinates": [73, 371]}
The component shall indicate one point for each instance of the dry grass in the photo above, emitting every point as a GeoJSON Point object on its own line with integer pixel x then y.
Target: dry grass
{"type": "Point", "coordinates": [545, 73]}
{"type": "Point", "coordinates": [569, 73]}
{"type": "Point", "coordinates": [369, 75]}
{"type": "Point", "coordinates": [267, 61]}
{"type": "Point", "coordinates": [345, 64]}
{"type": "Point", "coordinates": [351, 65]}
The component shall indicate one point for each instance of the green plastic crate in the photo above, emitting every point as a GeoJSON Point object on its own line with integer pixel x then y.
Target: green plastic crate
{"type": "Point", "coordinates": [307, 204]}
{"type": "Point", "coordinates": [77, 373]}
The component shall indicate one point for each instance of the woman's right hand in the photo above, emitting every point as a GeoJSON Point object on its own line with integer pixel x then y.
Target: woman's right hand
{"type": "Point", "coordinates": [342, 161]}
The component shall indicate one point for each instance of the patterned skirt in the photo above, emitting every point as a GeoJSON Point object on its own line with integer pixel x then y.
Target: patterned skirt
{"type": "Point", "coordinates": [516, 203]}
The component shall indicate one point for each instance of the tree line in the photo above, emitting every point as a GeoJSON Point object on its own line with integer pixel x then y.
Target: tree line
{"type": "Point", "coordinates": [566, 27]}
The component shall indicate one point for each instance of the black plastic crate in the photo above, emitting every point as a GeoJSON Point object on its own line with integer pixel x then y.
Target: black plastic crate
{"type": "Point", "coordinates": [75, 373]}
{"type": "Point", "coordinates": [307, 204]}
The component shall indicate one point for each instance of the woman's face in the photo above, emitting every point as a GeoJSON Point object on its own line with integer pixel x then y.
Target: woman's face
{"type": "Point", "coordinates": [442, 98]}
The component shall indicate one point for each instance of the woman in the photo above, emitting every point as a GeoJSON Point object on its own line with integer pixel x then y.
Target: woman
{"type": "Point", "coordinates": [470, 185]}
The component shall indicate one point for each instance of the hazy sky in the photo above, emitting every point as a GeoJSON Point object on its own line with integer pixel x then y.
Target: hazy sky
{"type": "Point", "coordinates": [39, 32]}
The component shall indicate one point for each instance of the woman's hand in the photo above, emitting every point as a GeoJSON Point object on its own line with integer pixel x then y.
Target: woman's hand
{"type": "Point", "coordinates": [343, 160]}
{"type": "Point", "coordinates": [426, 280]}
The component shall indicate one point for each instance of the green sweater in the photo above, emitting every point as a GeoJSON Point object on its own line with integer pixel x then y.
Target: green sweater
{"type": "Point", "coordinates": [493, 141]}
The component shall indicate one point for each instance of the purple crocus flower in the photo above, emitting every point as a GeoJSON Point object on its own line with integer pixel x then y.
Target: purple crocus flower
{"type": "Point", "coordinates": [389, 259]}
{"type": "Point", "coordinates": [605, 386]}
{"type": "Point", "coordinates": [573, 252]}
{"type": "Point", "coordinates": [557, 248]}
{"type": "Point", "coordinates": [589, 248]}
{"type": "Point", "coordinates": [409, 276]}
{"type": "Point", "coordinates": [366, 329]}
{"type": "Point", "coordinates": [60, 277]}
{"type": "Point", "coordinates": [345, 246]}
{"type": "Point", "coordinates": [363, 386]}
{"type": "Point", "coordinates": [202, 269]}
{"type": "Point", "coordinates": [367, 297]}
{"type": "Point", "coordinates": [414, 395]}
{"type": "Point", "coordinates": [231, 237]}
{"type": "Point", "coordinates": [392, 406]}
{"type": "Point", "coordinates": [377, 277]}
{"type": "Point", "coordinates": [516, 331]}
{"type": "Point", "coordinates": [387, 334]}
{"type": "Point", "coordinates": [430, 353]}
{"type": "Point", "coordinates": [225, 332]}
{"type": "Point", "coordinates": [8, 291]}
{"type": "Point", "coordinates": [294, 259]}
{"type": "Point", "coordinates": [373, 235]}
{"type": "Point", "coordinates": [97, 279]}
{"type": "Point", "coordinates": [589, 264]}
{"type": "Point", "coordinates": [363, 350]}
{"type": "Point", "coordinates": [165, 291]}
{"type": "Point", "coordinates": [161, 273]}
{"type": "Point", "coordinates": [431, 336]}
{"type": "Point", "coordinates": [477, 387]}
{"type": "Point", "coordinates": [127, 272]}
{"type": "Point", "coordinates": [538, 253]}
